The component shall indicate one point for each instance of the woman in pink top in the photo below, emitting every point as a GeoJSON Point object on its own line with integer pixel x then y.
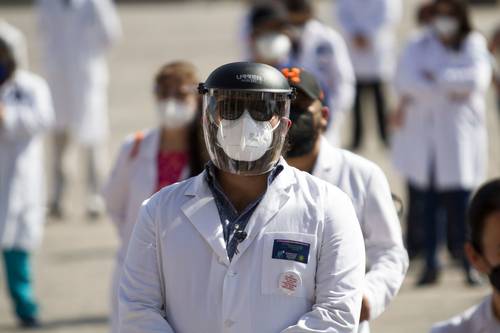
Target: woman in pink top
{"type": "Point", "coordinates": [150, 160]}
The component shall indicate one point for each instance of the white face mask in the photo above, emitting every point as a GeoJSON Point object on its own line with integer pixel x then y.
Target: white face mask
{"type": "Point", "coordinates": [245, 139]}
{"type": "Point", "coordinates": [173, 113]}
{"type": "Point", "coordinates": [273, 47]}
{"type": "Point", "coordinates": [445, 26]}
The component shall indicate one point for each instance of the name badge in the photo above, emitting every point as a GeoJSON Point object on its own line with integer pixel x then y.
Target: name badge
{"type": "Point", "coordinates": [291, 250]}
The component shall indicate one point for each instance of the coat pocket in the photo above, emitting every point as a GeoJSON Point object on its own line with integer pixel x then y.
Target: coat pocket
{"type": "Point", "coordinates": [289, 264]}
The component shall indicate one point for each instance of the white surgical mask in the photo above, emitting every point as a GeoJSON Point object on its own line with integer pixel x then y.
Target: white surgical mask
{"type": "Point", "coordinates": [273, 47]}
{"type": "Point", "coordinates": [173, 113]}
{"type": "Point", "coordinates": [245, 139]}
{"type": "Point", "coordinates": [445, 26]}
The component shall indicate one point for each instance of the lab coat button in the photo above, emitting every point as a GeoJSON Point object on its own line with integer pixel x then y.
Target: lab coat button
{"type": "Point", "coordinates": [229, 323]}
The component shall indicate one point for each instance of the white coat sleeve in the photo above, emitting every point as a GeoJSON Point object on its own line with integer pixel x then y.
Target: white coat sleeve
{"type": "Point", "coordinates": [387, 259]}
{"type": "Point", "coordinates": [409, 81]}
{"type": "Point", "coordinates": [24, 120]}
{"type": "Point", "coordinates": [108, 28]}
{"type": "Point", "coordinates": [340, 77]}
{"type": "Point", "coordinates": [339, 274]}
{"type": "Point", "coordinates": [141, 296]}
{"type": "Point", "coordinates": [475, 75]}
{"type": "Point", "coordinates": [116, 188]}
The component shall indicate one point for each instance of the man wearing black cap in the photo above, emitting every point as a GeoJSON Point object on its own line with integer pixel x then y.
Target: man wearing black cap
{"type": "Point", "coordinates": [362, 180]}
{"type": "Point", "coordinates": [251, 244]}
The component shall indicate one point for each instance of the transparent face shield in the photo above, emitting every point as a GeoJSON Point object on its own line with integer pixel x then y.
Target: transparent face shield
{"type": "Point", "coordinates": [245, 130]}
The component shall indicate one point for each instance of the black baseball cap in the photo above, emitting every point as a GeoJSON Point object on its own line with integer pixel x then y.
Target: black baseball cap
{"type": "Point", "coordinates": [304, 81]}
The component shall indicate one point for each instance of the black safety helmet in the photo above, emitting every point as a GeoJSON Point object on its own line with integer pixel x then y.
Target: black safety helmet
{"type": "Point", "coordinates": [233, 89]}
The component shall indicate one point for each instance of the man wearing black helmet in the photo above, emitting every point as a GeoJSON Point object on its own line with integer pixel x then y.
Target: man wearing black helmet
{"type": "Point", "coordinates": [251, 244]}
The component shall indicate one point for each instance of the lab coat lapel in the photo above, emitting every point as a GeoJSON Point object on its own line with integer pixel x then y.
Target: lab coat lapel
{"type": "Point", "coordinates": [275, 198]}
{"type": "Point", "coordinates": [203, 214]}
{"type": "Point", "coordinates": [148, 151]}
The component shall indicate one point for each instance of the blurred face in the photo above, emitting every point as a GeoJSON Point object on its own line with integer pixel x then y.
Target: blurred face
{"type": "Point", "coordinates": [177, 102]}
{"type": "Point", "coordinates": [309, 119]}
{"type": "Point", "coordinates": [270, 44]}
{"type": "Point", "coordinates": [445, 21]}
{"type": "Point", "coordinates": [488, 258]}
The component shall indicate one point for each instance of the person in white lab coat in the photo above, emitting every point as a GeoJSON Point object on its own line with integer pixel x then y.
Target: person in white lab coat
{"type": "Point", "coordinates": [365, 184]}
{"type": "Point", "coordinates": [369, 28]}
{"type": "Point", "coordinates": [322, 51]}
{"type": "Point", "coordinates": [25, 114]}
{"type": "Point", "coordinates": [152, 159]}
{"type": "Point", "coordinates": [76, 36]}
{"type": "Point", "coordinates": [415, 235]}
{"type": "Point", "coordinates": [251, 244]}
{"type": "Point", "coordinates": [444, 74]}
{"type": "Point", "coordinates": [482, 251]}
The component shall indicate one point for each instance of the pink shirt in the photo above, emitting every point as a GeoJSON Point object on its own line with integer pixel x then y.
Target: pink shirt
{"type": "Point", "coordinates": [170, 166]}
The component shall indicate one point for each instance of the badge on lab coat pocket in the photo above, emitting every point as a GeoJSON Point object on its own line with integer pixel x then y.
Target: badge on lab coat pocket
{"type": "Point", "coordinates": [289, 282]}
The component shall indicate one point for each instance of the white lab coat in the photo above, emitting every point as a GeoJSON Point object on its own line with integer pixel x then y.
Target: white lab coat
{"type": "Point", "coordinates": [324, 54]}
{"type": "Point", "coordinates": [377, 20]}
{"type": "Point", "coordinates": [440, 135]}
{"type": "Point", "coordinates": [366, 185]}
{"type": "Point", "coordinates": [178, 278]}
{"type": "Point", "coordinates": [132, 180]}
{"type": "Point", "coordinates": [28, 114]}
{"type": "Point", "coordinates": [75, 40]}
{"type": "Point", "coordinates": [478, 319]}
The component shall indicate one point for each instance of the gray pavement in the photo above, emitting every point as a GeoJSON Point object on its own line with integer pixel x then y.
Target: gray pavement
{"type": "Point", "coordinates": [73, 267]}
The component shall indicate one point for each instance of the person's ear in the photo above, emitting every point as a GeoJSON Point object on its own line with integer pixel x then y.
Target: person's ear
{"type": "Point", "coordinates": [325, 115]}
{"type": "Point", "coordinates": [476, 259]}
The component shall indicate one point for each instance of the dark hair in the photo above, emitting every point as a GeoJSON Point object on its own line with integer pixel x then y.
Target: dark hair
{"type": "Point", "coordinates": [299, 6]}
{"type": "Point", "coordinates": [263, 14]}
{"type": "Point", "coordinates": [424, 13]}
{"type": "Point", "coordinates": [11, 60]}
{"type": "Point", "coordinates": [462, 13]}
{"type": "Point", "coordinates": [485, 202]}
{"type": "Point", "coordinates": [183, 71]}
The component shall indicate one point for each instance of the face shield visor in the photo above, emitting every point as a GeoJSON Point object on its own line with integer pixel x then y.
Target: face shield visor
{"type": "Point", "coordinates": [245, 130]}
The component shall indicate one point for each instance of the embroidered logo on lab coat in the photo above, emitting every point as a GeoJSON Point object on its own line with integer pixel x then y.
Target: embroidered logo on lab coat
{"type": "Point", "coordinates": [291, 250]}
{"type": "Point", "coordinates": [289, 282]}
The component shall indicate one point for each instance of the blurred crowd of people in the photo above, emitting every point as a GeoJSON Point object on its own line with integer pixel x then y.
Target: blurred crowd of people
{"type": "Point", "coordinates": [436, 137]}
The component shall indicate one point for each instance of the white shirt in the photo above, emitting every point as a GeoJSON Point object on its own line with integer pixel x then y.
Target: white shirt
{"type": "Point", "coordinates": [478, 319]}
{"type": "Point", "coordinates": [178, 278]}
{"type": "Point", "coordinates": [366, 185]}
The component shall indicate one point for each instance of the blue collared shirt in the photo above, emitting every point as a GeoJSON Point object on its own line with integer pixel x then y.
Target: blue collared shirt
{"type": "Point", "coordinates": [232, 222]}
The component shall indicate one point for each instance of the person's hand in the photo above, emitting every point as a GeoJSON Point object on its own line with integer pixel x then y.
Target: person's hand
{"type": "Point", "coordinates": [361, 42]}
{"type": "Point", "coordinates": [365, 310]}
{"type": "Point", "coordinates": [428, 75]}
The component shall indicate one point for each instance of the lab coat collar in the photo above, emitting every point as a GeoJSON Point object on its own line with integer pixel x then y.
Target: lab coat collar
{"type": "Point", "coordinates": [328, 158]}
{"type": "Point", "coordinates": [202, 211]}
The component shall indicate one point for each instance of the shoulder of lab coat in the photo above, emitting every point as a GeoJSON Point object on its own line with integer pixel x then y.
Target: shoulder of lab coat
{"type": "Point", "coordinates": [479, 318]}
{"type": "Point", "coordinates": [336, 68]}
{"type": "Point", "coordinates": [474, 73]}
{"type": "Point", "coordinates": [409, 81]}
{"type": "Point", "coordinates": [24, 120]}
{"type": "Point", "coordinates": [365, 182]}
{"type": "Point", "coordinates": [339, 272]}
{"type": "Point", "coordinates": [387, 13]}
{"type": "Point", "coordinates": [108, 25]}
{"type": "Point", "coordinates": [116, 189]}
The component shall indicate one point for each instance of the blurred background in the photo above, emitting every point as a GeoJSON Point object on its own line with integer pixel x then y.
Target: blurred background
{"type": "Point", "coordinates": [74, 264]}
